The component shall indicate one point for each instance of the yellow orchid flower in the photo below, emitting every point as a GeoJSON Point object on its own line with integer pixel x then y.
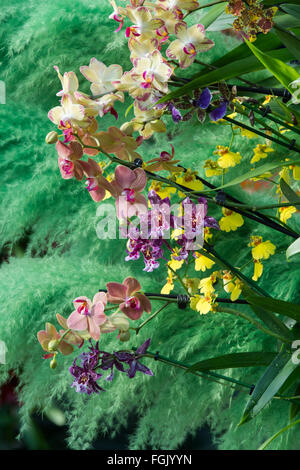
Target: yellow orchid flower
{"type": "Point", "coordinates": [246, 132]}
{"type": "Point", "coordinates": [213, 168]}
{"type": "Point", "coordinates": [258, 270]}
{"type": "Point", "coordinates": [260, 249]}
{"type": "Point", "coordinates": [202, 304]}
{"type": "Point", "coordinates": [227, 158]}
{"type": "Point", "coordinates": [191, 284]}
{"type": "Point", "coordinates": [189, 180]}
{"type": "Point", "coordinates": [206, 285]}
{"type": "Point", "coordinates": [169, 286]}
{"type": "Point", "coordinates": [286, 213]}
{"type": "Point", "coordinates": [202, 263]}
{"type": "Point", "coordinates": [230, 221]}
{"type": "Point", "coordinates": [296, 172]}
{"type": "Point", "coordinates": [162, 190]}
{"type": "Point", "coordinates": [260, 151]}
{"type": "Point", "coordinates": [174, 263]}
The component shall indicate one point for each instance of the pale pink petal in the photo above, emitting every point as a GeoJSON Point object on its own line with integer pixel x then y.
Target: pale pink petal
{"type": "Point", "coordinates": [100, 297]}
{"type": "Point", "coordinates": [77, 321]}
{"type": "Point", "coordinates": [93, 329]}
{"type": "Point", "coordinates": [124, 176]}
{"type": "Point", "coordinates": [140, 180]}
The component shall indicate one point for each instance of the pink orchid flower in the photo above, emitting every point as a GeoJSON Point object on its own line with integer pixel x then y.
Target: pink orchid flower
{"type": "Point", "coordinates": [68, 160]}
{"type": "Point", "coordinates": [128, 185]}
{"type": "Point", "coordinates": [96, 184]}
{"type": "Point", "coordinates": [128, 296]}
{"type": "Point", "coordinates": [88, 315]}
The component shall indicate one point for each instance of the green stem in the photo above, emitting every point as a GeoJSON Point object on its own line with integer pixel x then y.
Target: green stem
{"type": "Point", "coordinates": [271, 206]}
{"type": "Point", "coordinates": [266, 443]}
{"type": "Point", "coordinates": [272, 118]}
{"type": "Point", "coordinates": [151, 317]}
{"type": "Point", "coordinates": [251, 320]}
{"type": "Point", "coordinates": [179, 279]}
{"type": "Point", "coordinates": [262, 134]}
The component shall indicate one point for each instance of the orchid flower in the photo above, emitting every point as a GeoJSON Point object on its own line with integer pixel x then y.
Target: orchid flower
{"type": "Point", "coordinates": [175, 5]}
{"type": "Point", "coordinates": [140, 49]}
{"type": "Point", "coordinates": [144, 24]}
{"type": "Point", "coordinates": [101, 76]}
{"type": "Point", "coordinates": [50, 341]}
{"type": "Point", "coordinates": [164, 162]}
{"type": "Point", "coordinates": [69, 111]}
{"type": "Point", "coordinates": [117, 142]}
{"type": "Point", "coordinates": [102, 105]}
{"type": "Point", "coordinates": [189, 42]}
{"type": "Point", "coordinates": [129, 298]}
{"type": "Point", "coordinates": [69, 82]}
{"type": "Point", "coordinates": [153, 72]}
{"type": "Point", "coordinates": [128, 185]}
{"type": "Point", "coordinates": [88, 315]}
{"type": "Point", "coordinates": [96, 184]}
{"type": "Point", "coordinates": [145, 122]}
{"type": "Point", "coordinates": [68, 160]}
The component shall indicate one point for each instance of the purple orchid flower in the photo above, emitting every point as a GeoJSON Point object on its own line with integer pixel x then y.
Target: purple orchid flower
{"type": "Point", "coordinates": [204, 99]}
{"type": "Point", "coordinates": [176, 115]}
{"type": "Point", "coordinates": [219, 112]}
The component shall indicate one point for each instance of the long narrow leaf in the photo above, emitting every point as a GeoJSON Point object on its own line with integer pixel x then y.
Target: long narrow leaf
{"type": "Point", "coordinates": [268, 385]}
{"type": "Point", "coordinates": [239, 67]}
{"type": "Point", "coordinates": [283, 72]}
{"type": "Point", "coordinates": [286, 428]}
{"type": "Point", "coordinates": [293, 249]}
{"type": "Point", "coordinates": [229, 361]}
{"type": "Point", "coordinates": [214, 13]}
{"type": "Point", "coordinates": [290, 41]}
{"type": "Point", "coordinates": [288, 192]}
{"type": "Point", "coordinates": [274, 305]}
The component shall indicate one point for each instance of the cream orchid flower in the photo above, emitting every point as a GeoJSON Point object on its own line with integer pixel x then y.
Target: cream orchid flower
{"type": "Point", "coordinates": [102, 105]}
{"type": "Point", "coordinates": [69, 82]}
{"type": "Point", "coordinates": [145, 122]}
{"type": "Point", "coordinates": [140, 49]}
{"type": "Point", "coordinates": [67, 112]}
{"type": "Point", "coordinates": [101, 76]}
{"type": "Point", "coordinates": [153, 72]}
{"type": "Point", "coordinates": [189, 42]}
{"type": "Point", "coordinates": [188, 5]}
{"type": "Point", "coordinates": [144, 24]}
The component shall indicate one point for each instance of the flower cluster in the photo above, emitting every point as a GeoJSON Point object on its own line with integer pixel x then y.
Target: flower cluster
{"type": "Point", "coordinates": [252, 18]}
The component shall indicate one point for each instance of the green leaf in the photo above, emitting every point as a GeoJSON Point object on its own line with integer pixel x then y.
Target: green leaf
{"type": "Point", "coordinates": [277, 107]}
{"type": "Point", "coordinates": [268, 385]}
{"type": "Point", "coordinates": [291, 380]}
{"type": "Point", "coordinates": [214, 13]}
{"type": "Point", "coordinates": [272, 321]}
{"type": "Point", "coordinates": [283, 72]}
{"type": "Point", "coordinates": [293, 249]}
{"type": "Point", "coordinates": [268, 441]}
{"type": "Point", "coordinates": [229, 361]}
{"type": "Point", "coordinates": [239, 67]}
{"type": "Point", "coordinates": [274, 305]}
{"type": "Point", "coordinates": [290, 41]}
{"type": "Point", "coordinates": [288, 192]}
{"type": "Point", "coordinates": [295, 407]}
{"type": "Point", "coordinates": [277, 161]}
{"type": "Point", "coordinates": [287, 21]}
{"type": "Point", "coordinates": [269, 3]}
{"type": "Point", "coordinates": [293, 10]}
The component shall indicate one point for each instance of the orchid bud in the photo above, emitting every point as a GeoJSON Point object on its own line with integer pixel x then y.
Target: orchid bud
{"type": "Point", "coordinates": [124, 336]}
{"type": "Point", "coordinates": [53, 345]}
{"type": "Point", "coordinates": [51, 138]}
{"type": "Point", "coordinates": [53, 363]}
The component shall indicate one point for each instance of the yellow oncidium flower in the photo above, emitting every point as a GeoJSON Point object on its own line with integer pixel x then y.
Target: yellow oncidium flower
{"type": "Point", "coordinates": [203, 304]}
{"type": "Point", "coordinates": [191, 283]}
{"type": "Point", "coordinates": [169, 286]}
{"type": "Point", "coordinates": [260, 151]}
{"type": "Point", "coordinates": [227, 158]}
{"type": "Point", "coordinates": [258, 270]}
{"type": "Point", "coordinates": [213, 169]}
{"type": "Point", "coordinates": [230, 221]}
{"type": "Point", "coordinates": [207, 234]}
{"type": "Point", "coordinates": [189, 180]}
{"type": "Point", "coordinates": [267, 174]}
{"type": "Point", "coordinates": [162, 190]}
{"type": "Point", "coordinates": [286, 213]}
{"type": "Point", "coordinates": [206, 285]}
{"type": "Point", "coordinates": [202, 262]}
{"type": "Point", "coordinates": [260, 249]}
{"type": "Point", "coordinates": [296, 172]}
{"type": "Point", "coordinates": [175, 264]}
{"type": "Point", "coordinates": [246, 132]}
{"type": "Point", "coordinates": [232, 285]}
{"type": "Point", "coordinates": [267, 99]}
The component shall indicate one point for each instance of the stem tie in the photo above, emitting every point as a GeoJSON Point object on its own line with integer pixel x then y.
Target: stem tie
{"type": "Point", "coordinates": [183, 301]}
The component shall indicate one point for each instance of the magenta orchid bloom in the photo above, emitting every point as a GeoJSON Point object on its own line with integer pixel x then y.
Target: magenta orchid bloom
{"type": "Point", "coordinates": [96, 184]}
{"type": "Point", "coordinates": [68, 160]}
{"type": "Point", "coordinates": [128, 296]}
{"type": "Point", "coordinates": [128, 185]}
{"type": "Point", "coordinates": [88, 315]}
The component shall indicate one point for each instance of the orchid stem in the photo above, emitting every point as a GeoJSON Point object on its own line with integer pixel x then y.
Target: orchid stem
{"type": "Point", "coordinates": [151, 317]}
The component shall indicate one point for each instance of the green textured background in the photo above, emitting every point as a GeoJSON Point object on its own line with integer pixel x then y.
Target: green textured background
{"type": "Point", "coordinates": [51, 253]}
